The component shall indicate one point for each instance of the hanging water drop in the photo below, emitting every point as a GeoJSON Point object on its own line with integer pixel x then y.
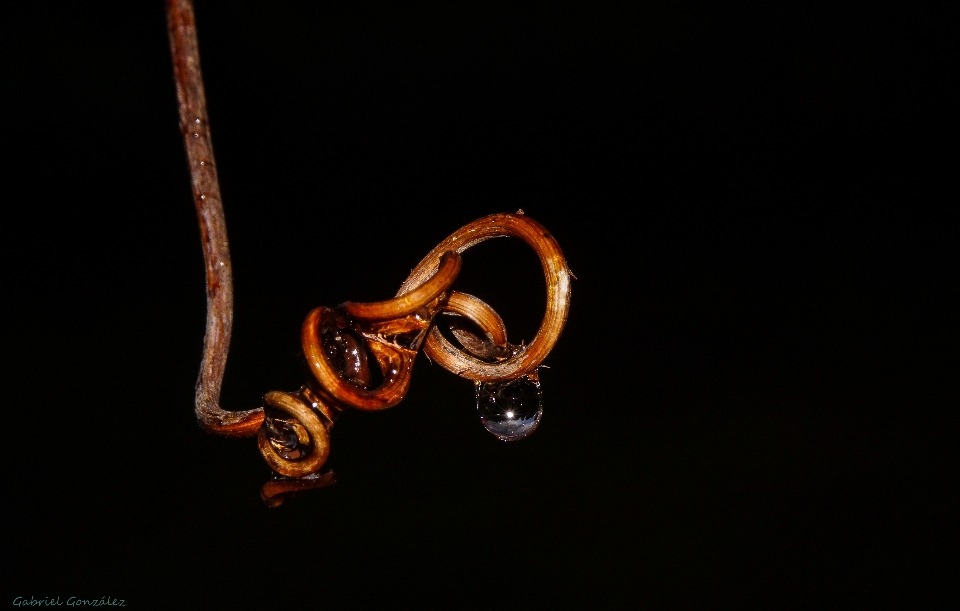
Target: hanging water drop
{"type": "Point", "coordinates": [510, 409]}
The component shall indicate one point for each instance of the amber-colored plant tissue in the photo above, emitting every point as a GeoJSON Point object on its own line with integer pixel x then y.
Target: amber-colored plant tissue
{"type": "Point", "coordinates": [360, 354]}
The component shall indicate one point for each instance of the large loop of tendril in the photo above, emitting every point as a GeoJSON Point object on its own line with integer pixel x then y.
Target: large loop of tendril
{"type": "Point", "coordinates": [528, 357]}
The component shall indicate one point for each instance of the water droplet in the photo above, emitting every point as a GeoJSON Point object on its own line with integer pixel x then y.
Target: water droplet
{"type": "Point", "coordinates": [510, 409]}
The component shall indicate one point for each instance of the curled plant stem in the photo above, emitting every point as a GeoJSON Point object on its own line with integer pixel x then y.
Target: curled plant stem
{"type": "Point", "coordinates": [319, 437]}
{"type": "Point", "coordinates": [213, 228]}
{"type": "Point", "coordinates": [557, 275]}
{"type": "Point", "coordinates": [295, 438]}
{"type": "Point", "coordinates": [403, 305]}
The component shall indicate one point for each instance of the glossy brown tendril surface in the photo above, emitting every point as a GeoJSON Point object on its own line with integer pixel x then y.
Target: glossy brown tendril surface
{"type": "Point", "coordinates": [527, 358]}
{"type": "Point", "coordinates": [346, 348]}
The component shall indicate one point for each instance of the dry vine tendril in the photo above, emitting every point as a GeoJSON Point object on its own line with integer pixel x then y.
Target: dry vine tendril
{"type": "Point", "coordinates": [349, 347]}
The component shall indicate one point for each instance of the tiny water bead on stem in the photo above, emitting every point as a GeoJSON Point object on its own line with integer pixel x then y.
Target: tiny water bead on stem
{"type": "Point", "coordinates": [360, 355]}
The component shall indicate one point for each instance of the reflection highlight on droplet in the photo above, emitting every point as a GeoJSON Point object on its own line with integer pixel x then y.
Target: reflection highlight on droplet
{"type": "Point", "coordinates": [510, 409]}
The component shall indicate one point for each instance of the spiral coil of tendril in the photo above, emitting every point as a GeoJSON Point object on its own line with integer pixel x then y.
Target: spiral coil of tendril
{"type": "Point", "coordinates": [294, 437]}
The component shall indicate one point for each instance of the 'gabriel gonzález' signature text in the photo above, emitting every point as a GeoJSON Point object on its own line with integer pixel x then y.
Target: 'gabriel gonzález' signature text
{"type": "Point", "coordinates": [73, 601]}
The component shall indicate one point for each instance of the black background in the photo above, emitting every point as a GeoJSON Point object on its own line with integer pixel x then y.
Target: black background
{"type": "Point", "coordinates": [753, 403]}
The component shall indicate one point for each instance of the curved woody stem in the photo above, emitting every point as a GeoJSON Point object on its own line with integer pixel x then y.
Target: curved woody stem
{"type": "Point", "coordinates": [213, 228]}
